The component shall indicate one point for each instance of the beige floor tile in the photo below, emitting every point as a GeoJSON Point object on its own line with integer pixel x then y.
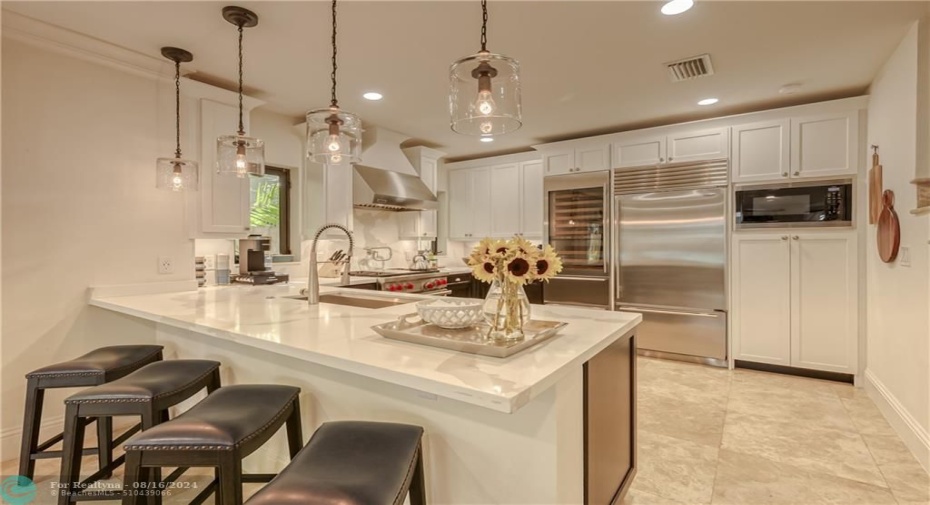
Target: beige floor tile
{"type": "Point", "coordinates": [696, 421]}
{"type": "Point", "coordinates": [686, 381]}
{"type": "Point", "coordinates": [783, 384]}
{"type": "Point", "coordinates": [743, 479]}
{"type": "Point", "coordinates": [636, 497]}
{"type": "Point", "coordinates": [675, 469]}
{"type": "Point", "coordinates": [803, 444]}
{"type": "Point", "coordinates": [799, 405]}
{"type": "Point", "coordinates": [866, 416]}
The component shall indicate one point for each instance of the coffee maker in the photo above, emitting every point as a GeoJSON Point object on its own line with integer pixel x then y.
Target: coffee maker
{"type": "Point", "coordinates": [252, 253]}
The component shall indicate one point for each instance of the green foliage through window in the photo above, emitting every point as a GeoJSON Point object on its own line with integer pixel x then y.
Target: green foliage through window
{"type": "Point", "coordinates": [266, 209]}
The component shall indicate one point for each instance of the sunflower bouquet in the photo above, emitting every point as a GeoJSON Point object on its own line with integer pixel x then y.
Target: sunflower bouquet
{"type": "Point", "coordinates": [508, 265]}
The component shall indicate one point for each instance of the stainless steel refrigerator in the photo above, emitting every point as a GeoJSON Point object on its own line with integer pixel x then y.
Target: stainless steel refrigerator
{"type": "Point", "coordinates": [577, 224]}
{"type": "Point", "coordinates": [670, 259]}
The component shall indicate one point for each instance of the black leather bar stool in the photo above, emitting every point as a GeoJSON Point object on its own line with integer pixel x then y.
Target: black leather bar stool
{"type": "Point", "coordinates": [148, 393]}
{"type": "Point", "coordinates": [352, 463]}
{"type": "Point", "coordinates": [220, 431]}
{"type": "Point", "coordinates": [96, 367]}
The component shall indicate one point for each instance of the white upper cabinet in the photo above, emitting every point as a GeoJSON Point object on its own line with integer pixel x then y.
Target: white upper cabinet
{"type": "Point", "coordinates": [469, 203]}
{"type": "Point", "coordinates": [825, 145]}
{"type": "Point", "coordinates": [571, 157]}
{"type": "Point", "coordinates": [505, 201]}
{"type": "Point", "coordinates": [532, 213]}
{"type": "Point", "coordinates": [221, 207]}
{"type": "Point", "coordinates": [688, 146]}
{"type": "Point", "coordinates": [761, 151]}
{"type": "Point", "coordinates": [421, 224]}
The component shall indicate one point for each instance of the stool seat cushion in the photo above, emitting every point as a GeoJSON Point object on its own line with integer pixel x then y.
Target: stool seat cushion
{"type": "Point", "coordinates": [150, 382]}
{"type": "Point", "coordinates": [100, 361]}
{"type": "Point", "coordinates": [349, 463]}
{"type": "Point", "coordinates": [224, 420]}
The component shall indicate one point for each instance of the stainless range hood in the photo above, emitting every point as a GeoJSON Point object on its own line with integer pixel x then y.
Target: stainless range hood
{"type": "Point", "coordinates": [385, 180]}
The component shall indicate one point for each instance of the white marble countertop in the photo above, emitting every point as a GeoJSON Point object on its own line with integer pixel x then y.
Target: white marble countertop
{"type": "Point", "coordinates": [341, 337]}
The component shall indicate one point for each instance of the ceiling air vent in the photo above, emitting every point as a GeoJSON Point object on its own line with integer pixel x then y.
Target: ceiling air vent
{"type": "Point", "coordinates": [690, 68]}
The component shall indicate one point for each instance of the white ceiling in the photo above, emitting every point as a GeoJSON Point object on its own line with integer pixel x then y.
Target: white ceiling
{"type": "Point", "coordinates": [588, 67]}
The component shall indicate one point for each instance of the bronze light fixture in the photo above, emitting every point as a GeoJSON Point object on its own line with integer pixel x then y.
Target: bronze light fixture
{"type": "Point", "coordinates": [238, 154]}
{"type": "Point", "coordinates": [177, 173]}
{"type": "Point", "coordinates": [484, 91]}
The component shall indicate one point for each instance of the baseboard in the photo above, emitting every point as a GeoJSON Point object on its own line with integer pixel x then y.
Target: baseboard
{"type": "Point", "coordinates": [911, 432]}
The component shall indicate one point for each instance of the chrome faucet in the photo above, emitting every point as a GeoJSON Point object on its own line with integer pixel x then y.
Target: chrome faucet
{"type": "Point", "coordinates": [313, 282]}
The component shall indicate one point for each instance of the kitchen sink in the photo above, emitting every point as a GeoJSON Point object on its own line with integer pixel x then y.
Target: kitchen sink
{"type": "Point", "coordinates": [366, 302]}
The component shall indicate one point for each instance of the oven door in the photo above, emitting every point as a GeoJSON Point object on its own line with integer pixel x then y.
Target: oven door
{"type": "Point", "coordinates": [810, 204]}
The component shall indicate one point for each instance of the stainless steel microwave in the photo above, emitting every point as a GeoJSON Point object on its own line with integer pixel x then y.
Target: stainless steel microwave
{"type": "Point", "coordinates": [821, 203]}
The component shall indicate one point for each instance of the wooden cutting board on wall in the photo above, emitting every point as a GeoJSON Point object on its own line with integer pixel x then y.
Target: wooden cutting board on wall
{"type": "Point", "coordinates": [875, 188]}
{"type": "Point", "coordinates": [889, 229]}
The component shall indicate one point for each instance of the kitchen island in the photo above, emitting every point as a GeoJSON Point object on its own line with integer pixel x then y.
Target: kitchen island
{"type": "Point", "coordinates": [553, 424]}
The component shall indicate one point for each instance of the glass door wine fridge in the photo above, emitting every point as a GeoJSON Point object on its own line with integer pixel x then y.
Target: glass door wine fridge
{"type": "Point", "coordinates": [577, 210]}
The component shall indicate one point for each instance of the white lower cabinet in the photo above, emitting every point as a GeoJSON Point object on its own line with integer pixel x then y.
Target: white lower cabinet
{"type": "Point", "coordinates": [795, 299]}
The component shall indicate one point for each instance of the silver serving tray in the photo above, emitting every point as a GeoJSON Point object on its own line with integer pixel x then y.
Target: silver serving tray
{"type": "Point", "coordinates": [471, 340]}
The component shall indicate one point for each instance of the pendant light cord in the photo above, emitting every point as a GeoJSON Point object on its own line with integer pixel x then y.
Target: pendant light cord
{"type": "Point", "coordinates": [484, 25]}
{"type": "Point", "coordinates": [177, 108]}
{"type": "Point", "coordinates": [334, 102]}
{"type": "Point", "coordinates": [241, 127]}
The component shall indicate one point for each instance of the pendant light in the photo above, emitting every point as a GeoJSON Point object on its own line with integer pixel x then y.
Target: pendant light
{"type": "Point", "coordinates": [484, 92]}
{"type": "Point", "coordinates": [237, 154]}
{"type": "Point", "coordinates": [177, 174]}
{"type": "Point", "coordinates": [334, 136]}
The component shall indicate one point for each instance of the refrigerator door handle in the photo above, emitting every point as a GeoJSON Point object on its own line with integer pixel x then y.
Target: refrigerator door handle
{"type": "Point", "coordinates": [670, 312]}
{"type": "Point", "coordinates": [590, 279]}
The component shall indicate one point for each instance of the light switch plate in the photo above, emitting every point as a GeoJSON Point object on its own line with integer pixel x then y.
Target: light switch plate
{"type": "Point", "coordinates": [209, 262]}
{"type": "Point", "coordinates": [905, 256]}
{"type": "Point", "coordinates": [165, 265]}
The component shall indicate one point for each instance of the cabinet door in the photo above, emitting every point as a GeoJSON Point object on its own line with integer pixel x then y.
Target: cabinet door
{"type": "Point", "coordinates": [824, 145]}
{"type": "Point", "coordinates": [224, 199]}
{"type": "Point", "coordinates": [505, 200]}
{"type": "Point", "coordinates": [480, 207]}
{"type": "Point", "coordinates": [408, 224]}
{"type": "Point", "coordinates": [762, 298]}
{"type": "Point", "coordinates": [532, 199]}
{"type": "Point", "coordinates": [824, 301]}
{"type": "Point", "coordinates": [761, 151]}
{"type": "Point", "coordinates": [460, 216]}
{"type": "Point", "coordinates": [638, 151]}
{"type": "Point", "coordinates": [559, 163]}
{"type": "Point", "coordinates": [592, 158]}
{"type": "Point", "coordinates": [699, 145]}
{"type": "Point", "coordinates": [427, 228]}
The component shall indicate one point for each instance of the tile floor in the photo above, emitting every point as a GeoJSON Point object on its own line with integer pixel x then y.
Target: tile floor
{"type": "Point", "coordinates": [711, 436]}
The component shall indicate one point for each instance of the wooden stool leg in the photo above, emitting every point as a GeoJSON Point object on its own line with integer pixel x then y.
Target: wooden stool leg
{"type": "Point", "coordinates": [230, 485]}
{"type": "Point", "coordinates": [133, 475]}
{"type": "Point", "coordinates": [217, 493]}
{"type": "Point", "coordinates": [32, 420]}
{"type": "Point", "coordinates": [72, 449]}
{"type": "Point", "coordinates": [295, 437]}
{"type": "Point", "coordinates": [105, 443]}
{"type": "Point", "coordinates": [151, 418]}
{"type": "Point", "coordinates": [215, 381]}
{"type": "Point", "coordinates": [418, 483]}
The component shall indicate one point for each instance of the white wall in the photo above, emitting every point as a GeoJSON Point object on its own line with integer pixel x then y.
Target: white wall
{"type": "Point", "coordinates": [79, 208]}
{"type": "Point", "coordinates": [898, 347]}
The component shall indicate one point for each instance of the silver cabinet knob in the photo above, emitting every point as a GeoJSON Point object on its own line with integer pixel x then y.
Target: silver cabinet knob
{"type": "Point", "coordinates": [784, 237]}
{"type": "Point", "coordinates": [797, 172]}
{"type": "Point", "coordinates": [661, 160]}
{"type": "Point", "coordinates": [669, 158]}
{"type": "Point", "coordinates": [784, 174]}
{"type": "Point", "coordinates": [795, 237]}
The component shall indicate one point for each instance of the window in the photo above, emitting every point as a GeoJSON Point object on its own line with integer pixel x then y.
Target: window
{"type": "Point", "coordinates": [270, 208]}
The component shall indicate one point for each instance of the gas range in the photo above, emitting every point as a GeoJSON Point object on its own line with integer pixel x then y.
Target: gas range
{"type": "Point", "coordinates": [408, 281]}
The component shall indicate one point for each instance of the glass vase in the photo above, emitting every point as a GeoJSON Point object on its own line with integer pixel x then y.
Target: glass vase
{"type": "Point", "coordinates": [506, 310]}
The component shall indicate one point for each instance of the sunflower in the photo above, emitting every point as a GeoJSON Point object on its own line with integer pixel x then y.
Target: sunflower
{"type": "Point", "coordinates": [520, 269]}
{"type": "Point", "coordinates": [549, 264]}
{"type": "Point", "coordinates": [485, 271]}
{"type": "Point", "coordinates": [523, 245]}
{"type": "Point", "coordinates": [480, 252]}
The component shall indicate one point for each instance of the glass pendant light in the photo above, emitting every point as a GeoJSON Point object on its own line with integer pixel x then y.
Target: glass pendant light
{"type": "Point", "coordinates": [177, 174]}
{"type": "Point", "coordinates": [334, 136]}
{"type": "Point", "coordinates": [484, 93]}
{"type": "Point", "coordinates": [237, 154]}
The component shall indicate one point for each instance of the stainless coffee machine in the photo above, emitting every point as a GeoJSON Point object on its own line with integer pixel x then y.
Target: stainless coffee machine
{"type": "Point", "coordinates": [252, 270]}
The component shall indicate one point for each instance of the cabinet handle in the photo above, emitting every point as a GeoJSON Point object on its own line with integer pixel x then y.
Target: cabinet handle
{"type": "Point", "coordinates": [797, 173]}
{"type": "Point", "coordinates": [784, 174]}
{"type": "Point", "coordinates": [669, 158]}
{"type": "Point", "coordinates": [784, 237]}
{"type": "Point", "coordinates": [661, 159]}
{"type": "Point", "coordinates": [795, 237]}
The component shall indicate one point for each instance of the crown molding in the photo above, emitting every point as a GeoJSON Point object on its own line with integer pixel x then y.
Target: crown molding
{"type": "Point", "coordinates": [60, 40]}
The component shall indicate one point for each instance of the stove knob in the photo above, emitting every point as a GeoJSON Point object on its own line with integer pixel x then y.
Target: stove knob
{"type": "Point", "coordinates": [409, 285]}
{"type": "Point", "coordinates": [428, 285]}
{"type": "Point", "coordinates": [443, 282]}
{"type": "Point", "coordinates": [392, 287]}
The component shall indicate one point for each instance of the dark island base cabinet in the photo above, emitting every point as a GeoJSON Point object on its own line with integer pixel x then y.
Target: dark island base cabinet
{"type": "Point", "coordinates": [610, 423]}
{"type": "Point", "coordinates": [478, 289]}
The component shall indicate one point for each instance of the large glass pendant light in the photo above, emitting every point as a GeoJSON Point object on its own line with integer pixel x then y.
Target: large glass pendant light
{"type": "Point", "coordinates": [334, 136]}
{"type": "Point", "coordinates": [484, 92]}
{"type": "Point", "coordinates": [177, 174]}
{"type": "Point", "coordinates": [237, 154]}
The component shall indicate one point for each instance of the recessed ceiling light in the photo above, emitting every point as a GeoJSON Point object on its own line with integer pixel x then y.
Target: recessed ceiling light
{"type": "Point", "coordinates": [708, 101]}
{"type": "Point", "coordinates": [487, 139]}
{"type": "Point", "coordinates": [674, 7]}
{"type": "Point", "coordinates": [372, 95]}
{"type": "Point", "coordinates": [790, 89]}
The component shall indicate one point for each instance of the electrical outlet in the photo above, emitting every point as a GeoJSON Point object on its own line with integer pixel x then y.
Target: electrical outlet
{"type": "Point", "coordinates": [905, 256]}
{"type": "Point", "coordinates": [165, 265]}
{"type": "Point", "coordinates": [209, 262]}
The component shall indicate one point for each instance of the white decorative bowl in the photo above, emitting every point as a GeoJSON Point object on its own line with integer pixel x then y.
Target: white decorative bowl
{"type": "Point", "coordinates": [451, 313]}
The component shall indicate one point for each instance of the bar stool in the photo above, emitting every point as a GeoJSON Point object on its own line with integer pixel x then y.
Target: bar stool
{"type": "Point", "coordinates": [96, 367]}
{"type": "Point", "coordinates": [220, 431]}
{"type": "Point", "coordinates": [148, 393]}
{"type": "Point", "coordinates": [352, 463]}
